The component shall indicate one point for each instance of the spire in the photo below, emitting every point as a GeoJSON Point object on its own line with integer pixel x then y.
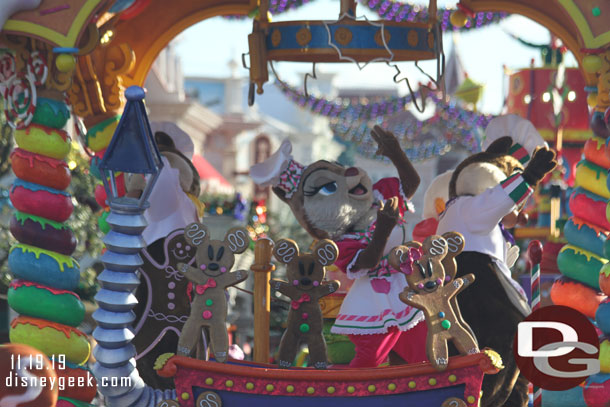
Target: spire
{"type": "Point", "coordinates": [454, 70]}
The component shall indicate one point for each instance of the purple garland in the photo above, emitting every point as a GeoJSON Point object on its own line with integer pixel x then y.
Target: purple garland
{"type": "Point", "coordinates": [352, 123]}
{"type": "Point", "coordinates": [392, 10]}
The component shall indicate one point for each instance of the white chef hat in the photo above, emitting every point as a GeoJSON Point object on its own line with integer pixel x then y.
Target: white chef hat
{"type": "Point", "coordinates": [279, 170]}
{"type": "Point", "coordinates": [525, 136]}
{"type": "Point", "coordinates": [182, 141]}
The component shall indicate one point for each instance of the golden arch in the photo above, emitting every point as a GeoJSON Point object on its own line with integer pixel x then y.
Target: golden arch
{"type": "Point", "coordinates": [550, 14]}
{"type": "Point", "coordinates": [149, 32]}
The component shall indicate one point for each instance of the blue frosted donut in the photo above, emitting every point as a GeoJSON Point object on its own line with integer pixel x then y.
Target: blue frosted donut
{"type": "Point", "coordinates": [581, 234]}
{"type": "Point", "coordinates": [602, 317]}
{"type": "Point", "coordinates": [44, 266]}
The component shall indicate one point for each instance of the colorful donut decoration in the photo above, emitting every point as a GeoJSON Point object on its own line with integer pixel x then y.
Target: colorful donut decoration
{"type": "Point", "coordinates": [41, 201]}
{"type": "Point", "coordinates": [44, 233]}
{"type": "Point", "coordinates": [51, 113]}
{"type": "Point", "coordinates": [84, 393]}
{"type": "Point", "coordinates": [15, 365]}
{"type": "Point", "coordinates": [596, 390]}
{"type": "Point", "coordinates": [604, 279]}
{"type": "Point", "coordinates": [602, 317]}
{"type": "Point", "coordinates": [47, 141]}
{"type": "Point", "coordinates": [576, 295]}
{"type": "Point", "coordinates": [592, 178]}
{"type": "Point", "coordinates": [51, 338]}
{"type": "Point", "coordinates": [98, 137]}
{"type": "Point", "coordinates": [43, 266]}
{"type": "Point", "coordinates": [604, 356]}
{"type": "Point", "coordinates": [595, 151]}
{"type": "Point", "coordinates": [587, 206]}
{"type": "Point", "coordinates": [40, 169]}
{"type": "Point", "coordinates": [580, 265]}
{"type": "Point", "coordinates": [39, 301]}
{"type": "Point", "coordinates": [581, 234]}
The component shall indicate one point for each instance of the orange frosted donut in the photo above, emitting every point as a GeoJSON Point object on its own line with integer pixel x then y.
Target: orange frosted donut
{"type": "Point", "coordinates": [39, 169]}
{"type": "Point", "coordinates": [595, 151]}
{"type": "Point", "coordinates": [573, 294]}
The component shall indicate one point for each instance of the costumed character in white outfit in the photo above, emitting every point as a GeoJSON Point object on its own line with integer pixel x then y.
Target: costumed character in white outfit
{"type": "Point", "coordinates": [486, 193]}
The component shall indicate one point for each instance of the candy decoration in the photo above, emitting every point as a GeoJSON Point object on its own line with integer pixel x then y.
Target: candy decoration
{"type": "Point", "coordinates": [37, 68]}
{"type": "Point", "coordinates": [534, 252]}
{"type": "Point", "coordinates": [20, 101]}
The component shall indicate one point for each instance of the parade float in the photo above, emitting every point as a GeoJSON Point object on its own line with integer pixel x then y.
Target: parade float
{"type": "Point", "coordinates": [65, 58]}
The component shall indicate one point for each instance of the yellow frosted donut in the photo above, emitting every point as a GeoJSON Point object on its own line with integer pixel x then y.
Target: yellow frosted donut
{"type": "Point", "coordinates": [43, 140]}
{"type": "Point", "coordinates": [51, 338]}
{"type": "Point", "coordinates": [592, 178]}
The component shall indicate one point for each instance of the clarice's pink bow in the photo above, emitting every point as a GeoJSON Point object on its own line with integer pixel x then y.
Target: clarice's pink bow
{"type": "Point", "coordinates": [200, 288]}
{"type": "Point", "coordinates": [297, 303]}
{"type": "Point", "coordinates": [407, 259]}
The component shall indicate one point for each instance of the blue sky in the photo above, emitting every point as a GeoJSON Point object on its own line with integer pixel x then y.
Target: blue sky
{"type": "Point", "coordinates": [207, 47]}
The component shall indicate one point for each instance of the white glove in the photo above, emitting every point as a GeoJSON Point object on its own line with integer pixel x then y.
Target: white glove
{"type": "Point", "coordinates": [512, 255]}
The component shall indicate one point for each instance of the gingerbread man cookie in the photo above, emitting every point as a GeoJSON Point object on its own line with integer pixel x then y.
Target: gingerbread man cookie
{"type": "Point", "coordinates": [305, 273]}
{"type": "Point", "coordinates": [211, 276]}
{"type": "Point", "coordinates": [432, 291]}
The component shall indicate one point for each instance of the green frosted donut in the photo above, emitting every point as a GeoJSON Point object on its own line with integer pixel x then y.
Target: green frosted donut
{"type": "Point", "coordinates": [36, 300]}
{"type": "Point", "coordinates": [51, 113]}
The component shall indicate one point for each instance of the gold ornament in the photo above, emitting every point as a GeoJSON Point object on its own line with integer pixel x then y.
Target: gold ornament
{"type": "Point", "coordinates": [65, 62]}
{"type": "Point", "coordinates": [458, 18]}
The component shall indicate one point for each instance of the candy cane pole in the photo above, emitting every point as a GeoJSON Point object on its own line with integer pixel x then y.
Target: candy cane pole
{"type": "Point", "coordinates": [534, 253]}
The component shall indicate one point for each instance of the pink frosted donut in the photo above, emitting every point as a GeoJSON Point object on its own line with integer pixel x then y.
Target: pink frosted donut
{"type": "Point", "coordinates": [41, 201]}
{"type": "Point", "coordinates": [589, 207]}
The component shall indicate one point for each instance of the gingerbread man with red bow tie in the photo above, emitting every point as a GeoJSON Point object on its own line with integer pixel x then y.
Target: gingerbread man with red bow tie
{"type": "Point", "coordinates": [208, 281]}
{"type": "Point", "coordinates": [305, 287]}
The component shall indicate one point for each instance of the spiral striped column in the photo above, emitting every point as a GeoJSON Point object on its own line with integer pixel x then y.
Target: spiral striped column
{"type": "Point", "coordinates": [44, 273]}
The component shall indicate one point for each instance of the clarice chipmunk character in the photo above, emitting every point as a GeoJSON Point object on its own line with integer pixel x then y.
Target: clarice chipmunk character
{"type": "Point", "coordinates": [434, 292]}
{"type": "Point", "coordinates": [211, 276]}
{"type": "Point", "coordinates": [305, 273]}
{"type": "Point", "coordinates": [365, 220]}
